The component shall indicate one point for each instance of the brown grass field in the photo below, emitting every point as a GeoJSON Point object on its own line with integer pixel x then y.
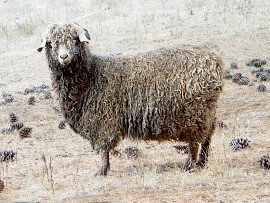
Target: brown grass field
{"type": "Point", "coordinates": [240, 29]}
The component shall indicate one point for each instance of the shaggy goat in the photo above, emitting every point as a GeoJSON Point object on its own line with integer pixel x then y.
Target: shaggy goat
{"type": "Point", "coordinates": [166, 95]}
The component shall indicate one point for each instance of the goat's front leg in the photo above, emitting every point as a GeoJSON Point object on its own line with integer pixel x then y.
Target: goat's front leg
{"type": "Point", "coordinates": [105, 163]}
{"type": "Point", "coordinates": [191, 160]}
{"type": "Point", "coordinates": [203, 156]}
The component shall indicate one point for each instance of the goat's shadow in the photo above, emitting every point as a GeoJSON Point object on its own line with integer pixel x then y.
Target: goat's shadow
{"type": "Point", "coordinates": [141, 168]}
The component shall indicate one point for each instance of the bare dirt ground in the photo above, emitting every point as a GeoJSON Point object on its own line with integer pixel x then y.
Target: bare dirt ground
{"type": "Point", "coordinates": [239, 28]}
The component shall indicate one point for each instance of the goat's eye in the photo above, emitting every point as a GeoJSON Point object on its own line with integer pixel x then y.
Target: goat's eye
{"type": "Point", "coordinates": [57, 42]}
{"type": "Point", "coordinates": [48, 45]}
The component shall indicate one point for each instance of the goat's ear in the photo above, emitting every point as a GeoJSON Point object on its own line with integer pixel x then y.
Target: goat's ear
{"type": "Point", "coordinates": [45, 41]}
{"type": "Point", "coordinates": [83, 34]}
{"type": "Point", "coordinates": [43, 44]}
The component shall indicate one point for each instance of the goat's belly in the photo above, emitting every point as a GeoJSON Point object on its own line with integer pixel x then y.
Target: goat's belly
{"type": "Point", "coordinates": [182, 131]}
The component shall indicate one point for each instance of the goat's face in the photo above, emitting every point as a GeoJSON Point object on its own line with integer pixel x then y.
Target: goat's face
{"type": "Point", "coordinates": [64, 43]}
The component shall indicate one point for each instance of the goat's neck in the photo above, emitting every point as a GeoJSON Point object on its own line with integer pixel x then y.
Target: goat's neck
{"type": "Point", "coordinates": [75, 83]}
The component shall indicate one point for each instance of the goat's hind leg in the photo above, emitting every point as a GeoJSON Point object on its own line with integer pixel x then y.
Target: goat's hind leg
{"type": "Point", "coordinates": [105, 163]}
{"type": "Point", "coordinates": [203, 156]}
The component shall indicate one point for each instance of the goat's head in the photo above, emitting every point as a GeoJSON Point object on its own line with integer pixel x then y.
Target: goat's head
{"type": "Point", "coordinates": [64, 42]}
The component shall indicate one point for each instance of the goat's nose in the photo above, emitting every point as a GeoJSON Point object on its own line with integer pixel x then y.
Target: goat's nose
{"type": "Point", "coordinates": [63, 56]}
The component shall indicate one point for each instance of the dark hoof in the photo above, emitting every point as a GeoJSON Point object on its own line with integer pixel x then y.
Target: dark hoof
{"type": "Point", "coordinates": [201, 163]}
{"type": "Point", "coordinates": [188, 166]}
{"type": "Point", "coordinates": [185, 168]}
{"type": "Point", "coordinates": [101, 173]}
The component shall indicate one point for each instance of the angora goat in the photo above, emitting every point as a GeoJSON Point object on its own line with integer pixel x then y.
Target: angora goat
{"type": "Point", "coordinates": [166, 95]}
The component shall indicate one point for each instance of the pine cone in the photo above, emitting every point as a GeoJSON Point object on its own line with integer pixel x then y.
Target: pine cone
{"type": "Point", "coordinates": [263, 61]}
{"type": "Point", "coordinates": [251, 84]}
{"type": "Point", "coordinates": [257, 71]}
{"type": "Point", "coordinates": [57, 109]}
{"type": "Point", "coordinates": [239, 143]}
{"type": "Point", "coordinates": [62, 125]}
{"type": "Point", "coordinates": [38, 90]}
{"type": "Point", "coordinates": [234, 65]}
{"type": "Point", "coordinates": [17, 125]}
{"type": "Point", "coordinates": [181, 149]}
{"type": "Point", "coordinates": [257, 74]}
{"type": "Point", "coordinates": [47, 95]}
{"type": "Point", "coordinates": [31, 100]}
{"type": "Point", "coordinates": [222, 125]}
{"type": "Point", "coordinates": [243, 81]}
{"type": "Point", "coordinates": [28, 90]}
{"type": "Point", "coordinates": [8, 98]}
{"type": "Point", "coordinates": [236, 77]}
{"type": "Point", "coordinates": [13, 118]}
{"type": "Point", "coordinates": [25, 132]}
{"type": "Point", "coordinates": [41, 88]}
{"type": "Point", "coordinates": [7, 155]}
{"type": "Point", "coordinates": [264, 76]}
{"type": "Point", "coordinates": [256, 62]}
{"type": "Point", "coordinates": [7, 130]}
{"type": "Point", "coordinates": [265, 162]}
{"type": "Point", "coordinates": [116, 153]}
{"type": "Point", "coordinates": [132, 152]}
{"type": "Point", "coordinates": [261, 88]}
{"type": "Point", "coordinates": [2, 185]}
{"type": "Point", "coordinates": [227, 75]}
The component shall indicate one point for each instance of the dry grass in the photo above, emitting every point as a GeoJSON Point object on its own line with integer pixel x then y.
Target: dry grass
{"type": "Point", "coordinates": [132, 26]}
{"type": "Point", "coordinates": [229, 176]}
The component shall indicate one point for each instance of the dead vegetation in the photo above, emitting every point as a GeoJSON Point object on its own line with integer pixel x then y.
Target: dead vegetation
{"type": "Point", "coordinates": [135, 26]}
